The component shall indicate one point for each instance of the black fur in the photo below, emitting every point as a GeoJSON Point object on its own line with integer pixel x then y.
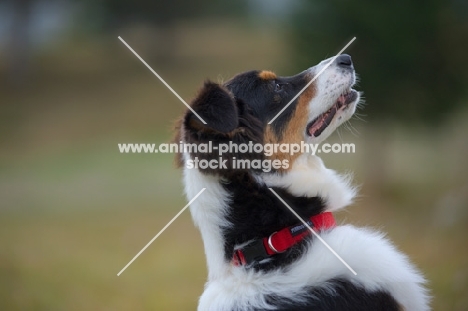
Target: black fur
{"type": "Point", "coordinates": [255, 212]}
{"type": "Point", "coordinates": [249, 129]}
{"type": "Point", "coordinates": [217, 107]}
{"type": "Point", "coordinates": [340, 295]}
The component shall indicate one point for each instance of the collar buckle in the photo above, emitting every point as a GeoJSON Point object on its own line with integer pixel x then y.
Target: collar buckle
{"type": "Point", "coordinates": [254, 252]}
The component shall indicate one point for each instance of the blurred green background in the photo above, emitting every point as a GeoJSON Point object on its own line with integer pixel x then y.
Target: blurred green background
{"type": "Point", "coordinates": [74, 211]}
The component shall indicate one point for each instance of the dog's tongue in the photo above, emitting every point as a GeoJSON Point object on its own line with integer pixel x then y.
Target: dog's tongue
{"type": "Point", "coordinates": [323, 121]}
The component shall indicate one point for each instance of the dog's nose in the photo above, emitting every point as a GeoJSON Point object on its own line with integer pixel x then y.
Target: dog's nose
{"type": "Point", "coordinates": [345, 61]}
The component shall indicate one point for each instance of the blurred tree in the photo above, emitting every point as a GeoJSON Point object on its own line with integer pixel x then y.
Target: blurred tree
{"type": "Point", "coordinates": [113, 14]}
{"type": "Point", "coordinates": [163, 13]}
{"type": "Point", "coordinates": [19, 45]}
{"type": "Point", "coordinates": [411, 55]}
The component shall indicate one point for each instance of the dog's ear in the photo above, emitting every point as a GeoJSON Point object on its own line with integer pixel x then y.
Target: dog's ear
{"type": "Point", "coordinates": [217, 107]}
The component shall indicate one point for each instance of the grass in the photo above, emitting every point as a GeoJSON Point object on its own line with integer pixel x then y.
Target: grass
{"type": "Point", "coordinates": [70, 262]}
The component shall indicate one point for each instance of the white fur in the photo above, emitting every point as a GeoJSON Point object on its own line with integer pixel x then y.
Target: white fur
{"type": "Point", "coordinates": [208, 213]}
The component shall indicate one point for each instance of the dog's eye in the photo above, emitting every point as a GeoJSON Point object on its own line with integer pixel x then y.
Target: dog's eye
{"type": "Point", "coordinates": [278, 87]}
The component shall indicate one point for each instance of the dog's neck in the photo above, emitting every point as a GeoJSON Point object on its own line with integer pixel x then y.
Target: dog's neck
{"type": "Point", "coordinates": [307, 177]}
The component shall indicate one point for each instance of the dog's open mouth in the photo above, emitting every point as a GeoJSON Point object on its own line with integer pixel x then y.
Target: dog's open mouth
{"type": "Point", "coordinates": [317, 126]}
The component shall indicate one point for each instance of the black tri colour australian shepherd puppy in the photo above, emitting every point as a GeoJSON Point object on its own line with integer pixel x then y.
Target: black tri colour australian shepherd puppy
{"type": "Point", "coordinates": [260, 256]}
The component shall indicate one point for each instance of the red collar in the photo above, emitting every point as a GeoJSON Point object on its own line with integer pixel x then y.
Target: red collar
{"type": "Point", "coordinates": [280, 241]}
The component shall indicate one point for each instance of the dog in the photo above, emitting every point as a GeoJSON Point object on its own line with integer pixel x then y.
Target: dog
{"type": "Point", "coordinates": [260, 256]}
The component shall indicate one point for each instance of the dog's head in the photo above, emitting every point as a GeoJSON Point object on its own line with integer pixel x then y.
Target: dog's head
{"type": "Point", "coordinates": [261, 107]}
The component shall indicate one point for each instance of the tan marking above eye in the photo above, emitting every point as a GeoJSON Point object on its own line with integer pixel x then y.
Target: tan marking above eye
{"type": "Point", "coordinates": [267, 75]}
